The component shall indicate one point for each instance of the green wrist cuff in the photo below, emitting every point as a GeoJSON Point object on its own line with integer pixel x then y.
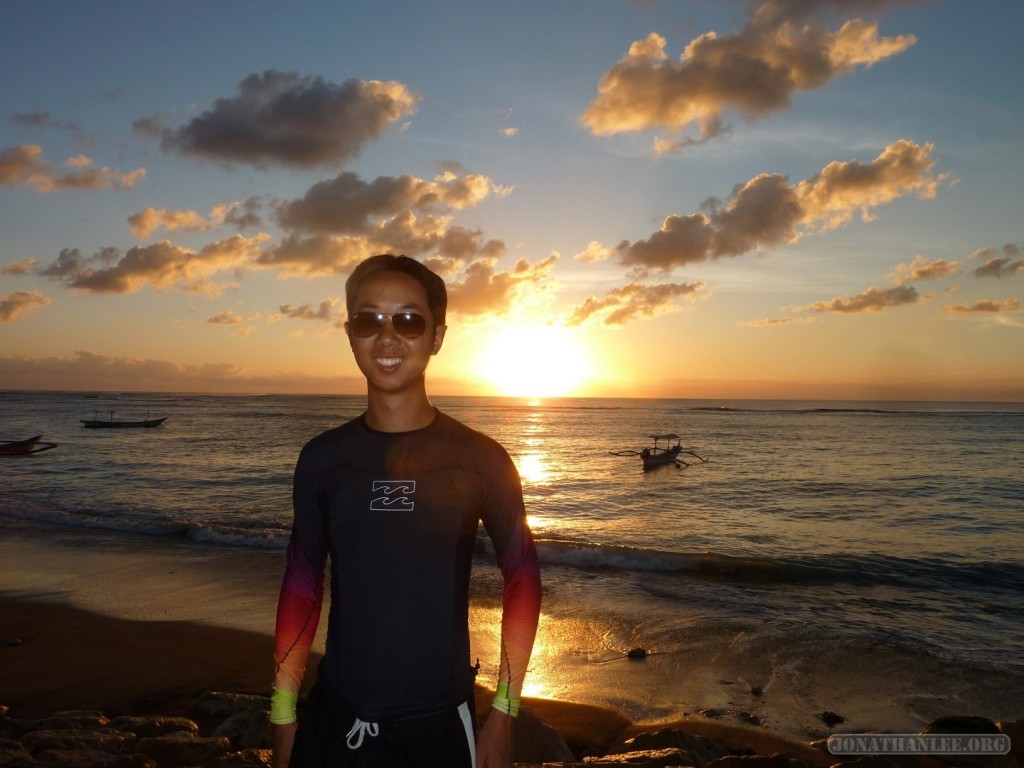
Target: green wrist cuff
{"type": "Point", "coordinates": [505, 703]}
{"type": "Point", "coordinates": [282, 707]}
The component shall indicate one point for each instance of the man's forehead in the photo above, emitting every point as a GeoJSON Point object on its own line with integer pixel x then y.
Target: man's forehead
{"type": "Point", "coordinates": [395, 289]}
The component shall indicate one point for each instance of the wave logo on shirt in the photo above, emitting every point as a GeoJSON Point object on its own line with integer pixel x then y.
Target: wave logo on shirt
{"type": "Point", "coordinates": [394, 496]}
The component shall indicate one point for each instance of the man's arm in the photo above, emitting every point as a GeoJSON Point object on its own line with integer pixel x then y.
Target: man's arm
{"type": "Point", "coordinates": [520, 614]}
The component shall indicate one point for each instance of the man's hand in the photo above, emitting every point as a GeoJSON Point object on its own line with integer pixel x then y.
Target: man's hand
{"type": "Point", "coordinates": [494, 742]}
{"type": "Point", "coordinates": [282, 739]}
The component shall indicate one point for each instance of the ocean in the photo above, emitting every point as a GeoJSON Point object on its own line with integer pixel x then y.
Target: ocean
{"type": "Point", "coordinates": [865, 558]}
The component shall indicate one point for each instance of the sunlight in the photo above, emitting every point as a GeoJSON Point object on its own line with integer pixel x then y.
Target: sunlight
{"type": "Point", "coordinates": [535, 361]}
{"type": "Point", "coordinates": [533, 468]}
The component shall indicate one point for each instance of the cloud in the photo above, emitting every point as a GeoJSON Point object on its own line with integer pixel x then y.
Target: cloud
{"type": "Point", "coordinates": [771, 322]}
{"type": "Point", "coordinates": [317, 255]}
{"type": "Point", "coordinates": [325, 311]}
{"type": "Point", "coordinates": [594, 252]}
{"type": "Point", "coordinates": [871, 300]}
{"type": "Point", "coordinates": [41, 119]}
{"type": "Point", "coordinates": [754, 72]}
{"type": "Point", "coordinates": [922, 269]}
{"type": "Point", "coordinates": [482, 289]}
{"type": "Point", "coordinates": [283, 118]}
{"type": "Point", "coordinates": [225, 318]}
{"type": "Point", "coordinates": [162, 265]}
{"type": "Point", "coordinates": [986, 306]}
{"type": "Point", "coordinates": [349, 205]}
{"type": "Point", "coordinates": [345, 219]}
{"type": "Point", "coordinates": [148, 220]}
{"type": "Point", "coordinates": [633, 301]}
{"type": "Point", "coordinates": [14, 304]}
{"type": "Point", "coordinates": [509, 132]}
{"type": "Point", "coordinates": [999, 266]}
{"type": "Point", "coordinates": [90, 371]}
{"type": "Point", "coordinates": [23, 165]}
{"type": "Point", "coordinates": [19, 267]}
{"type": "Point", "coordinates": [768, 211]}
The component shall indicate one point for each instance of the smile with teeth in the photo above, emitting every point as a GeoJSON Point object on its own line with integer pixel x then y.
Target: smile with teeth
{"type": "Point", "coordinates": [388, 362]}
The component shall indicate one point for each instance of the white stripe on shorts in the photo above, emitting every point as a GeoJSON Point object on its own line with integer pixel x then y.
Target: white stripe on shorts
{"type": "Point", "coordinates": [467, 722]}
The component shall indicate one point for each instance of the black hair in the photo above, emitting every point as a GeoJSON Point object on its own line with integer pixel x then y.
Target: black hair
{"type": "Point", "coordinates": [433, 285]}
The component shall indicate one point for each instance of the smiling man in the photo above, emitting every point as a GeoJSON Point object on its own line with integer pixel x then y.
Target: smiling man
{"type": "Point", "coordinates": [394, 499]}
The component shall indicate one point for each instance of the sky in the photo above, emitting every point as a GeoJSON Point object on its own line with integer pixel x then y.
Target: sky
{"type": "Point", "coordinates": [791, 199]}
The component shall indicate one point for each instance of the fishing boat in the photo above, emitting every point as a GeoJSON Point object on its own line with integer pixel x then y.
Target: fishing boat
{"type": "Point", "coordinates": [658, 455]}
{"type": "Point", "coordinates": [24, 447]}
{"type": "Point", "coordinates": [95, 423]}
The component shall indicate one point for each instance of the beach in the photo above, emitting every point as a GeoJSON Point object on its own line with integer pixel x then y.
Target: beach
{"type": "Point", "coordinates": [135, 626]}
{"type": "Point", "coordinates": [808, 567]}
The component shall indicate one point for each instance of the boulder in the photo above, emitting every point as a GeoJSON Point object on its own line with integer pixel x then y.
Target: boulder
{"type": "Point", "coordinates": [247, 758]}
{"type": "Point", "coordinates": [158, 725]}
{"type": "Point", "coordinates": [537, 742]}
{"type": "Point", "coordinates": [246, 729]}
{"type": "Point", "coordinates": [641, 758]}
{"type": "Point", "coordinates": [213, 708]}
{"type": "Point", "coordinates": [14, 753]}
{"type": "Point", "coordinates": [754, 761]}
{"type": "Point", "coordinates": [111, 742]}
{"type": "Point", "coordinates": [90, 758]}
{"type": "Point", "coordinates": [698, 750]}
{"type": "Point", "coordinates": [176, 750]}
{"type": "Point", "coordinates": [73, 720]}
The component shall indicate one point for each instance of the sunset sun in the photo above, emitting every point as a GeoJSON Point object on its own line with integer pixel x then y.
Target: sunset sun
{"type": "Point", "coordinates": [535, 361]}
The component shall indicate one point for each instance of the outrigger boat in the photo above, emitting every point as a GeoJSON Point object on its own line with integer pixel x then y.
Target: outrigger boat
{"type": "Point", "coordinates": [658, 455]}
{"type": "Point", "coordinates": [95, 423]}
{"type": "Point", "coordinates": [24, 447]}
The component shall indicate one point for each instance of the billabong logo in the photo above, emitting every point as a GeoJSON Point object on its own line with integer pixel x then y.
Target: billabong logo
{"type": "Point", "coordinates": [395, 496]}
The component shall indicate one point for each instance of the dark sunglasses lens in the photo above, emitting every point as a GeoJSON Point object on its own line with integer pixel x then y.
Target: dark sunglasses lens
{"type": "Point", "coordinates": [409, 324]}
{"type": "Point", "coordinates": [364, 324]}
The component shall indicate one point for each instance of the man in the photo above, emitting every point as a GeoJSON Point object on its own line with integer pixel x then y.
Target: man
{"type": "Point", "coordinates": [394, 497]}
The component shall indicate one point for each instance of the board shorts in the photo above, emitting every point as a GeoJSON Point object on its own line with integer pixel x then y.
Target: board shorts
{"type": "Point", "coordinates": [330, 734]}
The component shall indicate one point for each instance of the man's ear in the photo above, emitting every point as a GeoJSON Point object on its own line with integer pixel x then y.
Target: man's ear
{"type": "Point", "coordinates": [438, 338]}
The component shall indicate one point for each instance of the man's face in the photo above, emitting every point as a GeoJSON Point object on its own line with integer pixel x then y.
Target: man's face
{"type": "Point", "coordinates": [393, 363]}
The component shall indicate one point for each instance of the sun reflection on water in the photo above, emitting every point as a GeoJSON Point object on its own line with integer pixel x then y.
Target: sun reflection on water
{"type": "Point", "coordinates": [533, 468]}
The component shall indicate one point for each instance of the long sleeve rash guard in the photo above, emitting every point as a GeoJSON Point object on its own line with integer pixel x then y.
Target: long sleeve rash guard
{"type": "Point", "coordinates": [397, 513]}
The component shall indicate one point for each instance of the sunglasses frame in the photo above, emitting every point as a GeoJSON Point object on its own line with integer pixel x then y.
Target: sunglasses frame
{"type": "Point", "coordinates": [379, 317]}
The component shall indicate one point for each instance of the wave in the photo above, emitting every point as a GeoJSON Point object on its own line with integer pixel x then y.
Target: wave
{"type": "Point", "coordinates": [809, 571]}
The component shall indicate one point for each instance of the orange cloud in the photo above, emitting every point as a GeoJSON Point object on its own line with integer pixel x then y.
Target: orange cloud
{"type": "Point", "coordinates": [349, 205]}
{"type": "Point", "coordinates": [325, 311]}
{"type": "Point", "coordinates": [1000, 266]}
{"type": "Point", "coordinates": [22, 267]}
{"type": "Point", "coordinates": [594, 252]}
{"type": "Point", "coordinates": [633, 301]}
{"type": "Point", "coordinates": [161, 265]}
{"type": "Point", "coordinates": [19, 302]}
{"type": "Point", "coordinates": [282, 118]}
{"type": "Point", "coordinates": [23, 165]}
{"type": "Point", "coordinates": [148, 220]}
{"type": "Point", "coordinates": [768, 211]}
{"type": "Point", "coordinates": [225, 318]}
{"type": "Point", "coordinates": [754, 72]}
{"type": "Point", "coordinates": [922, 269]}
{"type": "Point", "coordinates": [482, 289]}
{"type": "Point", "coordinates": [770, 322]}
{"type": "Point", "coordinates": [986, 306]}
{"type": "Point", "coordinates": [871, 300]}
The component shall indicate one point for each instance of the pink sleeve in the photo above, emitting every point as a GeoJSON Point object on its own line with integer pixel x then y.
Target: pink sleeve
{"type": "Point", "coordinates": [298, 614]}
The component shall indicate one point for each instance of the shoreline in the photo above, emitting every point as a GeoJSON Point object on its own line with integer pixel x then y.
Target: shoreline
{"type": "Point", "coordinates": [59, 658]}
{"type": "Point", "coordinates": [127, 620]}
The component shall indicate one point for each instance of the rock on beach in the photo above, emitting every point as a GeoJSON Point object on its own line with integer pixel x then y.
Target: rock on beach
{"type": "Point", "coordinates": [230, 730]}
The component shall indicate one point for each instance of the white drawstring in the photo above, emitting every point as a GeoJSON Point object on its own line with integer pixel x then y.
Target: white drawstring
{"type": "Point", "coordinates": [358, 730]}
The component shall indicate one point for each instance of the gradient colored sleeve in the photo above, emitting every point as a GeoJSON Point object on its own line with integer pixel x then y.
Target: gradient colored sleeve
{"type": "Point", "coordinates": [520, 567]}
{"type": "Point", "coordinates": [301, 598]}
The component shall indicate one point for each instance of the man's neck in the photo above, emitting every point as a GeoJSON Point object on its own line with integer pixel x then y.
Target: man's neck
{"type": "Point", "coordinates": [398, 413]}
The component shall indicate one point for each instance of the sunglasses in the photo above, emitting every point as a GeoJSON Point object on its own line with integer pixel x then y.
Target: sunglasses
{"type": "Point", "coordinates": [406, 324]}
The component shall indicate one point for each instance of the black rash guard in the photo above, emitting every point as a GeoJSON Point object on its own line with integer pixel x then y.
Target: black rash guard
{"type": "Point", "coordinates": [398, 515]}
